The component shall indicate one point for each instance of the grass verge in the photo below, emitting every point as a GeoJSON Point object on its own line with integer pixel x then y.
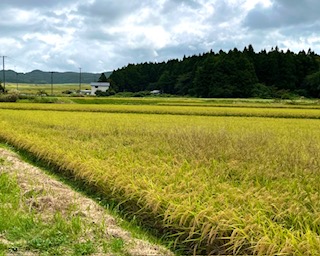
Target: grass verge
{"type": "Point", "coordinates": [32, 221]}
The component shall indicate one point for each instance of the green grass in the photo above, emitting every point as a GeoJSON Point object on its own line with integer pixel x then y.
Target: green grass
{"type": "Point", "coordinates": [115, 246]}
{"type": "Point", "coordinates": [24, 228]}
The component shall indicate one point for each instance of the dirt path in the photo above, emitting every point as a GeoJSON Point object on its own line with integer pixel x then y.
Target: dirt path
{"type": "Point", "coordinates": [52, 196]}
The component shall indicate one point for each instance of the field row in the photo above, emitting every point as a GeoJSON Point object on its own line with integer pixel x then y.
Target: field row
{"type": "Point", "coordinates": [217, 185]}
{"type": "Point", "coordinates": [198, 102]}
{"type": "Point", "coordinates": [172, 110]}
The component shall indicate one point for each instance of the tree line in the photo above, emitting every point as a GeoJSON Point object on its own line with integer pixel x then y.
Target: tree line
{"type": "Point", "coordinates": [233, 74]}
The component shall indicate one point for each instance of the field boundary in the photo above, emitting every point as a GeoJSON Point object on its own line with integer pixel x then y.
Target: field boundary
{"type": "Point", "coordinates": [57, 196]}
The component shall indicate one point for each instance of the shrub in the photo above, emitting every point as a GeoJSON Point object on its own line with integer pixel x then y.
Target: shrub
{"type": "Point", "coordinates": [103, 94]}
{"type": "Point", "coordinates": [42, 93]}
{"type": "Point", "coordinates": [12, 96]}
{"type": "Point", "coordinates": [141, 94]}
{"type": "Point", "coordinates": [262, 91]}
{"type": "Point", "coordinates": [45, 100]}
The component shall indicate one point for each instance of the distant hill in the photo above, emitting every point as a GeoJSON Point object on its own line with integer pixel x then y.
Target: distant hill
{"type": "Point", "coordinates": [41, 77]}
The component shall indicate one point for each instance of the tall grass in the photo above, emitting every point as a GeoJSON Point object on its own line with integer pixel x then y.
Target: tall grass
{"type": "Point", "coordinates": [214, 184]}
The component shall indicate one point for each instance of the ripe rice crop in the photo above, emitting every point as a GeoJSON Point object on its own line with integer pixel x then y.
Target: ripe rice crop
{"type": "Point", "coordinates": [231, 185]}
{"type": "Point", "coordinates": [302, 112]}
{"type": "Point", "coordinates": [33, 89]}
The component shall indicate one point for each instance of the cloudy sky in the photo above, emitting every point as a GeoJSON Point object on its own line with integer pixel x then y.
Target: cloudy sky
{"type": "Point", "coordinates": [103, 35]}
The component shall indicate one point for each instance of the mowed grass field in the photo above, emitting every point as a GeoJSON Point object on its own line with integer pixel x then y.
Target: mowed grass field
{"type": "Point", "coordinates": [243, 181]}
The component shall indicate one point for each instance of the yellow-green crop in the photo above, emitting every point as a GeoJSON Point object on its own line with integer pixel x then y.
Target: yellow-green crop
{"type": "Point", "coordinates": [230, 111]}
{"type": "Point", "coordinates": [232, 185]}
{"type": "Point", "coordinates": [57, 89]}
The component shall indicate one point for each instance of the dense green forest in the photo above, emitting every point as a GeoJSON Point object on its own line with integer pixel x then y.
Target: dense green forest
{"type": "Point", "coordinates": [231, 74]}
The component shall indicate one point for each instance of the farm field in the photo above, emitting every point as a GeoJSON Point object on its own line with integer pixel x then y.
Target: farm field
{"type": "Point", "coordinates": [39, 215]}
{"type": "Point", "coordinates": [57, 89]}
{"type": "Point", "coordinates": [310, 112]}
{"type": "Point", "coordinates": [226, 179]}
{"type": "Point", "coordinates": [216, 102]}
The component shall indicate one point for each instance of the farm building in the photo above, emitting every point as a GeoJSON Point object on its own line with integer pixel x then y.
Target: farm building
{"type": "Point", "coordinates": [99, 86]}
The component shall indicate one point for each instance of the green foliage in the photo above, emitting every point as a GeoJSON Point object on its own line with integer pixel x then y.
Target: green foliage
{"type": "Point", "coordinates": [312, 83]}
{"type": "Point", "coordinates": [13, 220]}
{"type": "Point", "coordinates": [84, 248]}
{"type": "Point", "coordinates": [103, 78]}
{"type": "Point", "coordinates": [69, 92]}
{"type": "Point", "coordinates": [109, 92]}
{"type": "Point", "coordinates": [42, 92]}
{"type": "Point", "coordinates": [262, 91]}
{"type": "Point", "coordinates": [1, 88]}
{"type": "Point", "coordinates": [115, 245]}
{"type": "Point", "coordinates": [9, 98]}
{"type": "Point", "coordinates": [233, 74]}
{"type": "Point", "coordinates": [141, 94]}
{"type": "Point", "coordinates": [28, 230]}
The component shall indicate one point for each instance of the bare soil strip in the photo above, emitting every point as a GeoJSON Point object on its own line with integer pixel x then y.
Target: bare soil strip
{"type": "Point", "coordinates": [53, 196]}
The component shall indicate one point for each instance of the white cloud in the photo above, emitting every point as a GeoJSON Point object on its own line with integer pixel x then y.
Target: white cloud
{"type": "Point", "coordinates": [251, 4]}
{"type": "Point", "coordinates": [100, 35]}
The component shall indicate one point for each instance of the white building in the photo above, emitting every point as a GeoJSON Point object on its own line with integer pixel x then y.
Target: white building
{"type": "Point", "coordinates": [99, 86]}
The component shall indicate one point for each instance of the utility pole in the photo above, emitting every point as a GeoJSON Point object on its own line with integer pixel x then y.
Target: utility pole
{"type": "Point", "coordinates": [17, 81]}
{"type": "Point", "coordinates": [80, 81]}
{"type": "Point", "coordinates": [16, 77]}
{"type": "Point", "coordinates": [4, 75]}
{"type": "Point", "coordinates": [51, 82]}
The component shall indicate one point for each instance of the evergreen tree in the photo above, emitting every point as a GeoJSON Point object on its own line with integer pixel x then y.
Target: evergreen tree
{"type": "Point", "coordinates": [312, 83]}
{"type": "Point", "coordinates": [103, 78]}
{"type": "Point", "coordinates": [226, 74]}
{"type": "Point", "coordinates": [203, 78]}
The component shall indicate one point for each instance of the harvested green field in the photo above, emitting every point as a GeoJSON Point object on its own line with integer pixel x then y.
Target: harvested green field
{"type": "Point", "coordinates": [215, 179]}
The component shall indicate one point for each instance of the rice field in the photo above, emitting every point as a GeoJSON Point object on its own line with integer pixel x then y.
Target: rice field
{"type": "Point", "coordinates": [309, 112]}
{"type": "Point", "coordinates": [214, 180]}
{"type": "Point", "coordinates": [56, 89]}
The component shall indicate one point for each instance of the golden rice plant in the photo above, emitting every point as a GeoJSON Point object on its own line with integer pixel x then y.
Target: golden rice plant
{"type": "Point", "coordinates": [232, 185]}
{"type": "Point", "coordinates": [310, 112]}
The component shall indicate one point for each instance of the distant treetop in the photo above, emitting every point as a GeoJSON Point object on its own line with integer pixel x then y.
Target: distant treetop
{"type": "Point", "coordinates": [102, 78]}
